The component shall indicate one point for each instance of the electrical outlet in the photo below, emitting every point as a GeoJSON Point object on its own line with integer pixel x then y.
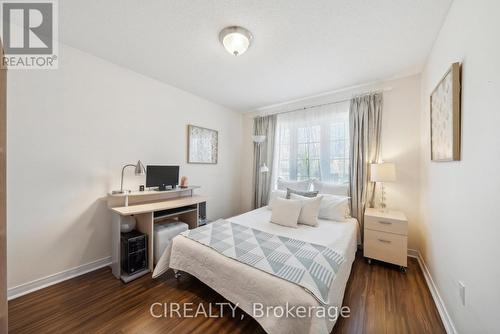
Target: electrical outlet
{"type": "Point", "coordinates": [461, 287]}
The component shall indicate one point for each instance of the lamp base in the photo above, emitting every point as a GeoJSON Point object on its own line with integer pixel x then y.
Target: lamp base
{"type": "Point", "coordinates": [383, 207]}
{"type": "Point", "coordinates": [119, 192]}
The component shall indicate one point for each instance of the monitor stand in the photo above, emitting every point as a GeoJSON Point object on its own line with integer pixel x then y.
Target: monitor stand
{"type": "Point", "coordinates": [164, 187]}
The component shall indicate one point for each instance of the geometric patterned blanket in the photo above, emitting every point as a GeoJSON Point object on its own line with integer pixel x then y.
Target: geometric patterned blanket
{"type": "Point", "coordinates": [308, 265]}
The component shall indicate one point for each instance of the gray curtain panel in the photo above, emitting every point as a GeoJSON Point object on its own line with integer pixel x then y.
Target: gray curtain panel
{"type": "Point", "coordinates": [365, 122]}
{"type": "Point", "coordinates": [263, 153]}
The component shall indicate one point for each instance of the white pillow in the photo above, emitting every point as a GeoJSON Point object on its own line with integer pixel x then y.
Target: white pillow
{"type": "Point", "coordinates": [286, 212]}
{"type": "Point", "coordinates": [310, 209]}
{"type": "Point", "coordinates": [295, 185]}
{"type": "Point", "coordinates": [275, 194]}
{"type": "Point", "coordinates": [339, 189]}
{"type": "Point", "coordinates": [334, 208]}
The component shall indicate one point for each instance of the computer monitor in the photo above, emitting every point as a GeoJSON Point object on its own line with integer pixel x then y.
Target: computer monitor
{"type": "Point", "coordinates": [162, 176]}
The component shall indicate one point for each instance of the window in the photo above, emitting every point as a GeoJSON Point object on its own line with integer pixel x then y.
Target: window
{"type": "Point", "coordinates": [308, 157]}
{"type": "Point", "coordinates": [339, 152]}
{"type": "Point", "coordinates": [314, 144]}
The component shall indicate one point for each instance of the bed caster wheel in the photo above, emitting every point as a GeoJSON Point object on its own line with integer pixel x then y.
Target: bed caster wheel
{"type": "Point", "coordinates": [403, 269]}
{"type": "Point", "coordinates": [177, 275]}
{"type": "Point", "coordinates": [369, 261]}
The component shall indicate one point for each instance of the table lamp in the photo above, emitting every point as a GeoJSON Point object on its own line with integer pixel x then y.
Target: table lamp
{"type": "Point", "coordinates": [382, 172]}
{"type": "Point", "coordinates": [139, 170]}
{"type": "Point", "coordinates": [263, 168]}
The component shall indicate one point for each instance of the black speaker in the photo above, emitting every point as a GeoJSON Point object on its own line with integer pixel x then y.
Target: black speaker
{"type": "Point", "coordinates": [134, 252]}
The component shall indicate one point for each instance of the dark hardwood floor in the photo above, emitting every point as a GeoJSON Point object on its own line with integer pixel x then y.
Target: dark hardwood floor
{"type": "Point", "coordinates": [381, 299]}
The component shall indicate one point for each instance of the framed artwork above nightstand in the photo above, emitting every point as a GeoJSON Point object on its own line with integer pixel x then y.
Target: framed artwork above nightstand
{"type": "Point", "coordinates": [445, 116]}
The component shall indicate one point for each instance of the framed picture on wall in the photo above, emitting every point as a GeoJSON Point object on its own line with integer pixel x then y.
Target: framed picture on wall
{"type": "Point", "coordinates": [202, 145]}
{"type": "Point", "coordinates": [445, 117]}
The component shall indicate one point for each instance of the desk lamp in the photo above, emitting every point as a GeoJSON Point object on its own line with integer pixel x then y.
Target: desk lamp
{"type": "Point", "coordinates": [139, 170]}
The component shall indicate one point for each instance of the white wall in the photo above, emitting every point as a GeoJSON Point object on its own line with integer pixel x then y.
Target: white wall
{"type": "Point", "coordinates": [71, 130]}
{"type": "Point", "coordinates": [400, 142]}
{"type": "Point", "coordinates": [460, 217]}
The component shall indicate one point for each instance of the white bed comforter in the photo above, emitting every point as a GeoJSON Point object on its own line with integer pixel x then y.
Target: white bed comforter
{"type": "Point", "coordinates": [244, 285]}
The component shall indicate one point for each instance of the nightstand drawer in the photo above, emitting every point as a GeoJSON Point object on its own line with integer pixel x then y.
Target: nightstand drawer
{"type": "Point", "coordinates": [386, 247]}
{"type": "Point", "coordinates": [386, 225]}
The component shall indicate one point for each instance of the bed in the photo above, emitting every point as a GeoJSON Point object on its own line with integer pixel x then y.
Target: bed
{"type": "Point", "coordinates": [245, 285]}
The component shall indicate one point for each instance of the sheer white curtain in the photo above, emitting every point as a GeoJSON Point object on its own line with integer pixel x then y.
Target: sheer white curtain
{"type": "Point", "coordinates": [313, 143]}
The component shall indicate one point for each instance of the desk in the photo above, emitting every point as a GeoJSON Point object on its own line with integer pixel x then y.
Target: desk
{"type": "Point", "coordinates": [148, 208]}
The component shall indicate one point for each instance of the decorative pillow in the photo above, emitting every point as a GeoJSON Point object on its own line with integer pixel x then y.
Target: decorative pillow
{"type": "Point", "coordinates": [295, 185]}
{"type": "Point", "coordinates": [300, 193]}
{"type": "Point", "coordinates": [310, 209]}
{"type": "Point", "coordinates": [286, 212]}
{"type": "Point", "coordinates": [334, 208]}
{"type": "Point", "coordinates": [339, 189]}
{"type": "Point", "coordinates": [275, 194]}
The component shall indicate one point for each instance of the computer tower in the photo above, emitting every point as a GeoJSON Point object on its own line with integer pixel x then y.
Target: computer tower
{"type": "Point", "coordinates": [202, 213]}
{"type": "Point", "coordinates": [134, 252]}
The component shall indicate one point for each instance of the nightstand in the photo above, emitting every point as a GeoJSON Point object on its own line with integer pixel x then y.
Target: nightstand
{"type": "Point", "coordinates": [386, 237]}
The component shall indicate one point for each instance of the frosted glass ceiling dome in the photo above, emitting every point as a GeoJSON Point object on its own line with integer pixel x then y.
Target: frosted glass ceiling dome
{"type": "Point", "coordinates": [236, 40]}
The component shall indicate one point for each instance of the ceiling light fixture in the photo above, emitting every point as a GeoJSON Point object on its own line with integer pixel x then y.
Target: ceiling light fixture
{"type": "Point", "coordinates": [236, 40]}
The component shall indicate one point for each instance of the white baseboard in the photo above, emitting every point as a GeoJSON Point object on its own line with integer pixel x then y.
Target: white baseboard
{"type": "Point", "coordinates": [413, 253]}
{"type": "Point", "coordinates": [44, 282]}
{"type": "Point", "coordinates": [443, 313]}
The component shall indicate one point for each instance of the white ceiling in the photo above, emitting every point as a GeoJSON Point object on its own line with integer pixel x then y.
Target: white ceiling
{"type": "Point", "coordinates": [300, 48]}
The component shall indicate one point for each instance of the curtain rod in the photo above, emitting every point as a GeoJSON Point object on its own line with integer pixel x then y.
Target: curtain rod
{"type": "Point", "coordinates": [388, 89]}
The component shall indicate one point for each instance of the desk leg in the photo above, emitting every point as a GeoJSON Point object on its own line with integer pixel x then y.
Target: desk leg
{"type": "Point", "coordinates": [145, 225]}
{"type": "Point", "coordinates": [190, 218]}
{"type": "Point", "coordinates": [115, 245]}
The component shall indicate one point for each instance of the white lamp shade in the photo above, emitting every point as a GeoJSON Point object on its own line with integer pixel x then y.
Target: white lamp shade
{"type": "Point", "coordinates": [383, 172]}
{"type": "Point", "coordinates": [258, 138]}
{"type": "Point", "coordinates": [264, 168]}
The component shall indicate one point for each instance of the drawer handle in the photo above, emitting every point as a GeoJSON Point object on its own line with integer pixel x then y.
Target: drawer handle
{"type": "Point", "coordinates": [385, 223]}
{"type": "Point", "coordinates": [384, 241]}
